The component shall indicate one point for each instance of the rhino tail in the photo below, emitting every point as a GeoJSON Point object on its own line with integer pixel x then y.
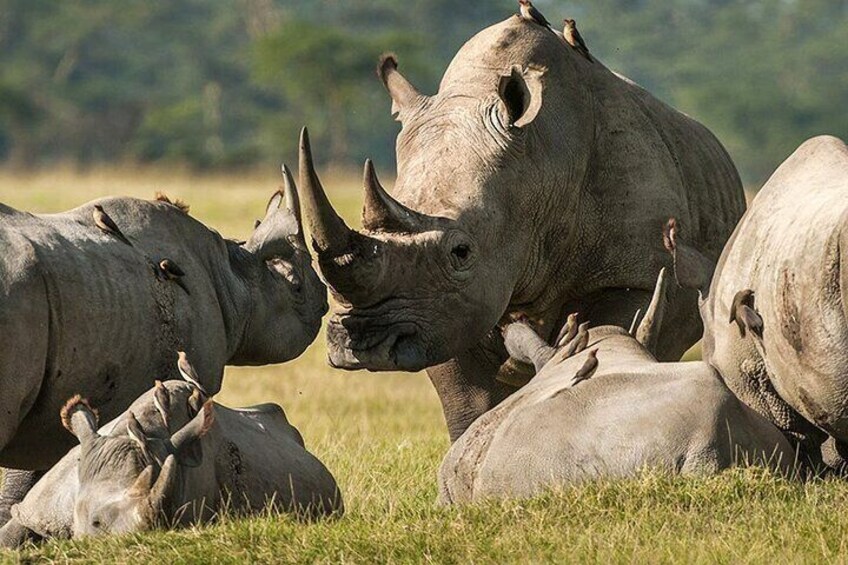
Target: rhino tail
{"type": "Point", "coordinates": [692, 269]}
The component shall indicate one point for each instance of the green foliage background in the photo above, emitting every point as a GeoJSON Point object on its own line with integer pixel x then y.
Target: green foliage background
{"type": "Point", "coordinates": [227, 83]}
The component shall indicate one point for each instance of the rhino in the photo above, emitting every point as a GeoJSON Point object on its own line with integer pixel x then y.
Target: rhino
{"type": "Point", "coordinates": [527, 183]}
{"type": "Point", "coordinates": [632, 414]}
{"type": "Point", "coordinates": [788, 250]}
{"type": "Point", "coordinates": [141, 471]}
{"type": "Point", "coordinates": [83, 312]}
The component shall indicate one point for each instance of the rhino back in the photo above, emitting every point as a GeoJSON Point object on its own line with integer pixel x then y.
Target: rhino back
{"type": "Point", "coordinates": [788, 249]}
{"type": "Point", "coordinates": [632, 414]}
{"type": "Point", "coordinates": [261, 457]}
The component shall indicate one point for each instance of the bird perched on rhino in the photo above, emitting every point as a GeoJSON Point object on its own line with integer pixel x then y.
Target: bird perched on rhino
{"type": "Point", "coordinates": [568, 331]}
{"type": "Point", "coordinates": [107, 225]}
{"type": "Point", "coordinates": [742, 312]}
{"type": "Point", "coordinates": [188, 372]}
{"type": "Point", "coordinates": [531, 14]}
{"type": "Point", "coordinates": [162, 402]}
{"type": "Point", "coordinates": [588, 369]}
{"type": "Point", "coordinates": [574, 39]}
{"type": "Point", "coordinates": [170, 271]}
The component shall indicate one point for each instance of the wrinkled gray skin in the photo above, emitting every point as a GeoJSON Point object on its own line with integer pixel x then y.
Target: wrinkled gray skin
{"type": "Point", "coordinates": [110, 484]}
{"type": "Point", "coordinates": [789, 249]}
{"type": "Point", "coordinates": [527, 183]}
{"type": "Point", "coordinates": [83, 313]}
{"type": "Point", "coordinates": [633, 414]}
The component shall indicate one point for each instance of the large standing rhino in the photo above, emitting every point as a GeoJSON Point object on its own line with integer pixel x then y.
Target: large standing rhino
{"type": "Point", "coordinates": [632, 414]}
{"type": "Point", "coordinates": [82, 312]}
{"type": "Point", "coordinates": [207, 457]}
{"type": "Point", "coordinates": [531, 181]}
{"type": "Point", "coordinates": [789, 249]}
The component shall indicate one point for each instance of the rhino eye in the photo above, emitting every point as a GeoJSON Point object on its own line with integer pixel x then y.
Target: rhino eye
{"type": "Point", "coordinates": [96, 524]}
{"type": "Point", "coordinates": [460, 254]}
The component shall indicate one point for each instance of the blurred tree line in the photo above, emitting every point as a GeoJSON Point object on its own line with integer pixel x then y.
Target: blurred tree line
{"type": "Point", "coordinates": [226, 83]}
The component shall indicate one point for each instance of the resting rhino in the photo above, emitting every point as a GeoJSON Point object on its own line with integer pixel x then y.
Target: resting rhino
{"type": "Point", "coordinates": [81, 312]}
{"type": "Point", "coordinates": [528, 182]}
{"type": "Point", "coordinates": [788, 249]}
{"type": "Point", "coordinates": [634, 413]}
{"type": "Point", "coordinates": [207, 458]}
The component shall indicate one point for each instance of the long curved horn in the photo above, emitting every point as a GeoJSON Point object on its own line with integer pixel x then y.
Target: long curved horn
{"type": "Point", "coordinates": [329, 231]}
{"type": "Point", "coordinates": [382, 212]}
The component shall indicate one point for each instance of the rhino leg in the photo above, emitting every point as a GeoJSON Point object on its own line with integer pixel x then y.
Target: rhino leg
{"type": "Point", "coordinates": [16, 484]}
{"type": "Point", "coordinates": [468, 386]}
{"type": "Point", "coordinates": [13, 535]}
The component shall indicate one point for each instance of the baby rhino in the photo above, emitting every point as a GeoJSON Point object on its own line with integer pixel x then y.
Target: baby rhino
{"type": "Point", "coordinates": [175, 458]}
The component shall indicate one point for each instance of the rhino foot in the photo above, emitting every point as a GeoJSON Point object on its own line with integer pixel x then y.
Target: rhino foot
{"type": "Point", "coordinates": [13, 535]}
{"type": "Point", "coordinates": [16, 484]}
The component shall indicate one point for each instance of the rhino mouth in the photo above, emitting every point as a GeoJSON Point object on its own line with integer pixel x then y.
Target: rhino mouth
{"type": "Point", "coordinates": [357, 341]}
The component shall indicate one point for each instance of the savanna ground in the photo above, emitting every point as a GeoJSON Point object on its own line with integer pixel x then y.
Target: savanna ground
{"type": "Point", "coordinates": [382, 436]}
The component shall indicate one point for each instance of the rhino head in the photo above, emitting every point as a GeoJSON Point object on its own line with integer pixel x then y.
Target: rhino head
{"type": "Point", "coordinates": [289, 299]}
{"type": "Point", "coordinates": [532, 179]}
{"type": "Point", "coordinates": [127, 480]}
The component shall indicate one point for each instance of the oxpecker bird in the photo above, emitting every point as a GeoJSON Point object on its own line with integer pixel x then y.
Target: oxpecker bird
{"type": "Point", "coordinates": [107, 225]}
{"type": "Point", "coordinates": [134, 429]}
{"type": "Point", "coordinates": [670, 236]}
{"type": "Point", "coordinates": [568, 331]}
{"type": "Point", "coordinates": [188, 373]}
{"type": "Point", "coordinates": [742, 312]}
{"type": "Point", "coordinates": [573, 38]}
{"type": "Point", "coordinates": [531, 14]}
{"type": "Point", "coordinates": [170, 271]}
{"type": "Point", "coordinates": [162, 402]}
{"type": "Point", "coordinates": [579, 343]}
{"type": "Point", "coordinates": [588, 369]}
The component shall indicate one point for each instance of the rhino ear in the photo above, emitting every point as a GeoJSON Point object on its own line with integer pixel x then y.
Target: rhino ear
{"type": "Point", "coordinates": [79, 418]}
{"type": "Point", "coordinates": [521, 96]}
{"type": "Point", "coordinates": [186, 442]}
{"type": "Point", "coordinates": [403, 94]}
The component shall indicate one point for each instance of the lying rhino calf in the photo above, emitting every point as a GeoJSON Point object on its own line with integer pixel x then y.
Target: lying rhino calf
{"type": "Point", "coordinates": [789, 250]}
{"type": "Point", "coordinates": [136, 474]}
{"type": "Point", "coordinates": [573, 423]}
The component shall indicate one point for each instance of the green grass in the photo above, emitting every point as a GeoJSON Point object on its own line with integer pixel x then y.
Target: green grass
{"type": "Point", "coordinates": [383, 437]}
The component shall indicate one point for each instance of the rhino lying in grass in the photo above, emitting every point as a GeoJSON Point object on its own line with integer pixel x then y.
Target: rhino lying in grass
{"type": "Point", "coordinates": [632, 414]}
{"type": "Point", "coordinates": [527, 183]}
{"type": "Point", "coordinates": [82, 312]}
{"type": "Point", "coordinates": [137, 473]}
{"type": "Point", "coordinates": [789, 250]}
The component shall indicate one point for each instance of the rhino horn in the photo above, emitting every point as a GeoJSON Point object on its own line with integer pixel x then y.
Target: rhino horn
{"type": "Point", "coordinates": [162, 486]}
{"type": "Point", "coordinates": [381, 212]}
{"type": "Point", "coordinates": [329, 231]}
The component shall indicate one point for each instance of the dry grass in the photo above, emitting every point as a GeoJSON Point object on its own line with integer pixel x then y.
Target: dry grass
{"type": "Point", "coordinates": [383, 437]}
